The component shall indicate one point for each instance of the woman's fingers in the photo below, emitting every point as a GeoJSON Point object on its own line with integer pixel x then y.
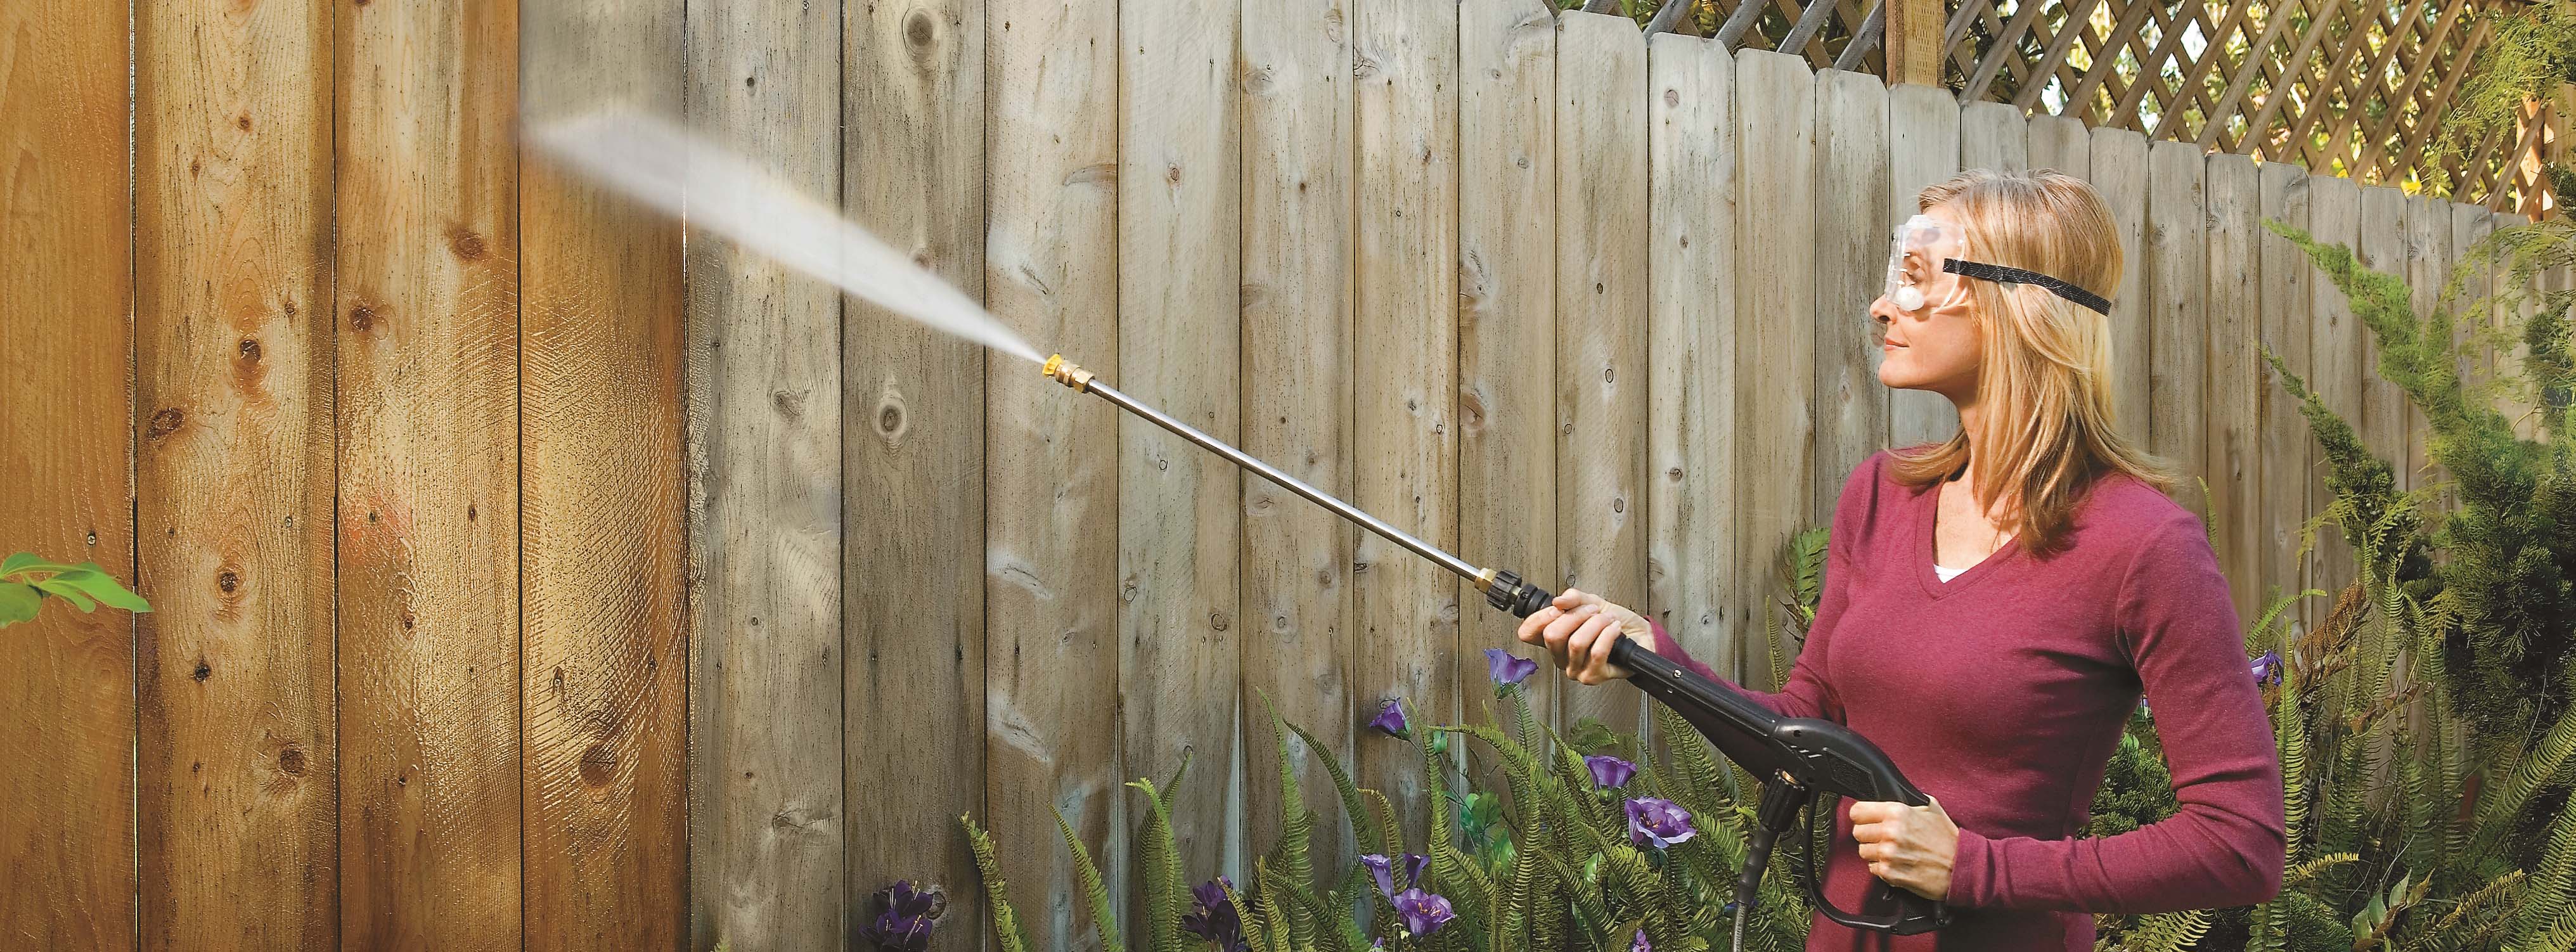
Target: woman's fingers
{"type": "Point", "coordinates": [1586, 647]}
{"type": "Point", "coordinates": [1532, 627]}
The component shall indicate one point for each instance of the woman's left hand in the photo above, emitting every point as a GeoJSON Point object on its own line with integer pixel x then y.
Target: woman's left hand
{"type": "Point", "coordinates": [1909, 847]}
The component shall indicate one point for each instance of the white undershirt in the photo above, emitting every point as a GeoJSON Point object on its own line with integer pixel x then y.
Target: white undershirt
{"type": "Point", "coordinates": [1945, 572]}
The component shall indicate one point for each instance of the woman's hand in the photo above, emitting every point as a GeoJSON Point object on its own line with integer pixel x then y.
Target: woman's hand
{"type": "Point", "coordinates": [1909, 847]}
{"type": "Point", "coordinates": [1578, 631]}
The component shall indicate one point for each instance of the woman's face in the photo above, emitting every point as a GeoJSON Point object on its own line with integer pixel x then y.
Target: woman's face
{"type": "Point", "coordinates": [1934, 347]}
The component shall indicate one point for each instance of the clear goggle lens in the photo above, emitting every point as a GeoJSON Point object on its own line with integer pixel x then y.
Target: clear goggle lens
{"type": "Point", "coordinates": [1914, 275]}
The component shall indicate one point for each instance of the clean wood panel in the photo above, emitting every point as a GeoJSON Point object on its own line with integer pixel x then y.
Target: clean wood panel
{"type": "Point", "coordinates": [1051, 482]}
{"type": "Point", "coordinates": [1404, 451]}
{"type": "Point", "coordinates": [2119, 172]}
{"type": "Point", "coordinates": [1600, 366]}
{"type": "Point", "coordinates": [237, 758]}
{"type": "Point", "coordinates": [1851, 179]}
{"type": "Point", "coordinates": [764, 451]}
{"type": "Point", "coordinates": [2177, 421]}
{"type": "Point", "coordinates": [2337, 373]}
{"type": "Point", "coordinates": [1691, 342]}
{"type": "Point", "coordinates": [1993, 135]}
{"type": "Point", "coordinates": [427, 308]}
{"type": "Point", "coordinates": [67, 837]}
{"type": "Point", "coordinates": [1180, 508]}
{"type": "Point", "coordinates": [1297, 353]}
{"type": "Point", "coordinates": [2428, 265]}
{"type": "Point", "coordinates": [603, 509]}
{"type": "Point", "coordinates": [2292, 486]}
{"type": "Point", "coordinates": [1923, 149]}
{"type": "Point", "coordinates": [2235, 368]}
{"type": "Point", "coordinates": [1775, 358]}
{"type": "Point", "coordinates": [913, 461]}
{"type": "Point", "coordinates": [2061, 143]}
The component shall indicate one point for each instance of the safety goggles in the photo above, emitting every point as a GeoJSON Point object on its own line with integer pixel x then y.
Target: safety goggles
{"type": "Point", "coordinates": [1923, 269]}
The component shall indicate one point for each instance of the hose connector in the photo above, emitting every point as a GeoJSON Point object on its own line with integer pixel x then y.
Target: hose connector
{"type": "Point", "coordinates": [1068, 373]}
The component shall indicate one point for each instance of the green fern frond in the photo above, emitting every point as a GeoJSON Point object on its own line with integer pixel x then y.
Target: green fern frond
{"type": "Point", "coordinates": [1006, 923]}
{"type": "Point", "coordinates": [2544, 915]}
{"type": "Point", "coordinates": [1104, 917]}
{"type": "Point", "coordinates": [1371, 839]}
{"type": "Point", "coordinates": [1166, 895]}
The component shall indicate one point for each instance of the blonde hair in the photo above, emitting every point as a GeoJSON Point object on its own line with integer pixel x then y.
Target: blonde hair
{"type": "Point", "coordinates": [2047, 434]}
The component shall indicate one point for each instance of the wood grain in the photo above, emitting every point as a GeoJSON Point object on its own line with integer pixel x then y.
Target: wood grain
{"type": "Point", "coordinates": [2061, 143]}
{"type": "Point", "coordinates": [1601, 295]}
{"type": "Point", "coordinates": [2177, 421]}
{"type": "Point", "coordinates": [766, 814]}
{"type": "Point", "coordinates": [2472, 312]}
{"type": "Point", "coordinates": [2338, 373]}
{"type": "Point", "coordinates": [1923, 150]}
{"type": "Point", "coordinates": [2292, 487]}
{"type": "Point", "coordinates": [1051, 586]}
{"type": "Point", "coordinates": [1775, 365]}
{"type": "Point", "coordinates": [603, 510]}
{"type": "Point", "coordinates": [2119, 173]}
{"type": "Point", "coordinates": [1180, 508]}
{"type": "Point", "coordinates": [2513, 309]}
{"type": "Point", "coordinates": [1404, 450]}
{"type": "Point", "coordinates": [427, 309]}
{"type": "Point", "coordinates": [2428, 265]}
{"type": "Point", "coordinates": [67, 837]}
{"type": "Point", "coordinates": [1691, 340]}
{"type": "Point", "coordinates": [913, 466]}
{"type": "Point", "coordinates": [1852, 175]}
{"type": "Point", "coordinates": [1993, 135]}
{"type": "Point", "coordinates": [2231, 444]}
{"type": "Point", "coordinates": [238, 767]}
{"type": "Point", "coordinates": [1296, 360]}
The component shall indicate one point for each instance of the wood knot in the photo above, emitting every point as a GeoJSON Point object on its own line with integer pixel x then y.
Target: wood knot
{"type": "Point", "coordinates": [1672, 97]}
{"type": "Point", "coordinates": [466, 244]}
{"type": "Point", "coordinates": [919, 31]}
{"type": "Point", "coordinates": [790, 405]}
{"type": "Point", "coordinates": [598, 765]}
{"type": "Point", "coordinates": [202, 672]}
{"type": "Point", "coordinates": [228, 581]}
{"type": "Point", "coordinates": [890, 419]}
{"type": "Point", "coordinates": [165, 423]}
{"type": "Point", "coordinates": [242, 121]}
{"type": "Point", "coordinates": [362, 317]}
{"type": "Point", "coordinates": [291, 760]}
{"type": "Point", "coordinates": [249, 349]}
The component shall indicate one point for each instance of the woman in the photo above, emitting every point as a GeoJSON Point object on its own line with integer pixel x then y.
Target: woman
{"type": "Point", "coordinates": [1992, 633]}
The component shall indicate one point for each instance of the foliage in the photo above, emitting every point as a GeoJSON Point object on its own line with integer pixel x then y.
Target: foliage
{"type": "Point", "coordinates": [26, 581]}
{"type": "Point", "coordinates": [2531, 50]}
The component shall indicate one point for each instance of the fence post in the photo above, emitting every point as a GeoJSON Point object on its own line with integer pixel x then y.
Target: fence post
{"type": "Point", "coordinates": [1914, 41]}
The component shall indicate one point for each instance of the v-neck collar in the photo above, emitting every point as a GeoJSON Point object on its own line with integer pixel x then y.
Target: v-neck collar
{"type": "Point", "coordinates": [1928, 507]}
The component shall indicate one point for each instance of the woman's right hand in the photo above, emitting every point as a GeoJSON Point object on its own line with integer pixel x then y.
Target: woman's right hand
{"type": "Point", "coordinates": [1578, 630]}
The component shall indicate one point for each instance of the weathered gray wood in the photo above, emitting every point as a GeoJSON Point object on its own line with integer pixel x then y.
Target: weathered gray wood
{"type": "Point", "coordinates": [914, 455]}
{"type": "Point", "coordinates": [1852, 174]}
{"type": "Point", "coordinates": [1993, 135]}
{"type": "Point", "coordinates": [2335, 346]}
{"type": "Point", "coordinates": [2511, 353]}
{"type": "Point", "coordinates": [2472, 312]}
{"type": "Point", "coordinates": [1180, 508]}
{"type": "Point", "coordinates": [2235, 473]}
{"type": "Point", "coordinates": [2061, 143]}
{"type": "Point", "coordinates": [2119, 173]}
{"type": "Point", "coordinates": [1600, 361]}
{"type": "Point", "coordinates": [1691, 343]}
{"type": "Point", "coordinates": [1404, 68]}
{"type": "Point", "coordinates": [2177, 420]}
{"type": "Point", "coordinates": [766, 808]}
{"type": "Point", "coordinates": [1051, 469]}
{"type": "Point", "coordinates": [2292, 487]}
{"type": "Point", "coordinates": [2428, 265]}
{"type": "Point", "coordinates": [1775, 360]}
{"type": "Point", "coordinates": [1297, 352]}
{"type": "Point", "coordinates": [1923, 149]}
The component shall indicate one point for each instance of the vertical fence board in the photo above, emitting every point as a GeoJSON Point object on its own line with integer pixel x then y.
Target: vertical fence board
{"type": "Point", "coordinates": [1775, 362]}
{"type": "Point", "coordinates": [2382, 243]}
{"type": "Point", "coordinates": [2061, 143]}
{"type": "Point", "coordinates": [2235, 472]}
{"type": "Point", "coordinates": [2119, 172]}
{"type": "Point", "coordinates": [1601, 192]}
{"type": "Point", "coordinates": [1923, 149]}
{"type": "Point", "coordinates": [427, 308]}
{"type": "Point", "coordinates": [237, 760]}
{"type": "Point", "coordinates": [2472, 313]}
{"type": "Point", "coordinates": [1404, 88]}
{"type": "Point", "coordinates": [1297, 354]}
{"type": "Point", "coordinates": [2428, 264]}
{"type": "Point", "coordinates": [2511, 352]}
{"type": "Point", "coordinates": [67, 837]}
{"type": "Point", "coordinates": [1691, 341]}
{"type": "Point", "coordinates": [2337, 374]}
{"type": "Point", "coordinates": [2177, 373]}
{"type": "Point", "coordinates": [603, 512]}
{"type": "Point", "coordinates": [1051, 481]}
{"type": "Point", "coordinates": [1993, 135]}
{"type": "Point", "coordinates": [2292, 488]}
{"type": "Point", "coordinates": [764, 452]}
{"type": "Point", "coordinates": [913, 465]}
{"type": "Point", "coordinates": [1180, 508]}
{"type": "Point", "coordinates": [1852, 171]}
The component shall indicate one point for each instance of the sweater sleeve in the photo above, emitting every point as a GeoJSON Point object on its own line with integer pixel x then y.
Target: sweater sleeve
{"type": "Point", "coordinates": [2226, 844]}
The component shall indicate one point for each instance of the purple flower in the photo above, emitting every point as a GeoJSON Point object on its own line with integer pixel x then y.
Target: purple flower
{"type": "Point", "coordinates": [1391, 719]}
{"type": "Point", "coordinates": [2267, 669]}
{"type": "Point", "coordinates": [1608, 772]}
{"type": "Point", "coordinates": [1383, 870]}
{"type": "Point", "coordinates": [906, 915]}
{"type": "Point", "coordinates": [1423, 913]}
{"type": "Point", "coordinates": [1505, 669]}
{"type": "Point", "coordinates": [1213, 917]}
{"type": "Point", "coordinates": [1658, 821]}
{"type": "Point", "coordinates": [1640, 945]}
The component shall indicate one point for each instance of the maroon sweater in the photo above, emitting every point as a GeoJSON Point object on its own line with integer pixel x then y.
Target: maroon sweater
{"type": "Point", "coordinates": [2002, 692]}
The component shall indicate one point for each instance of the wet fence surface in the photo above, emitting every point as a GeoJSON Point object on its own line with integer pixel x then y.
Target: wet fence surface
{"type": "Point", "coordinates": [531, 572]}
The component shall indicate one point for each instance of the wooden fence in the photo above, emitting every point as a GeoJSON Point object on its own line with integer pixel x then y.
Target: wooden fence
{"type": "Point", "coordinates": [526, 575]}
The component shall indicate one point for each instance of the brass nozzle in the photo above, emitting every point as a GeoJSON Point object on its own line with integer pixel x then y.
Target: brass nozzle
{"type": "Point", "coordinates": [1068, 373]}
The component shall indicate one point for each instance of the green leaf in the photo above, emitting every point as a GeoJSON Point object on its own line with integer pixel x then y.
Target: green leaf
{"type": "Point", "coordinates": [98, 584]}
{"type": "Point", "coordinates": [67, 591]}
{"type": "Point", "coordinates": [19, 561]}
{"type": "Point", "coordinates": [19, 602]}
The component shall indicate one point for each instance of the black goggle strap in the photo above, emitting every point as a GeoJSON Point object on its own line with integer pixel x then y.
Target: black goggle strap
{"type": "Point", "coordinates": [1996, 272]}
